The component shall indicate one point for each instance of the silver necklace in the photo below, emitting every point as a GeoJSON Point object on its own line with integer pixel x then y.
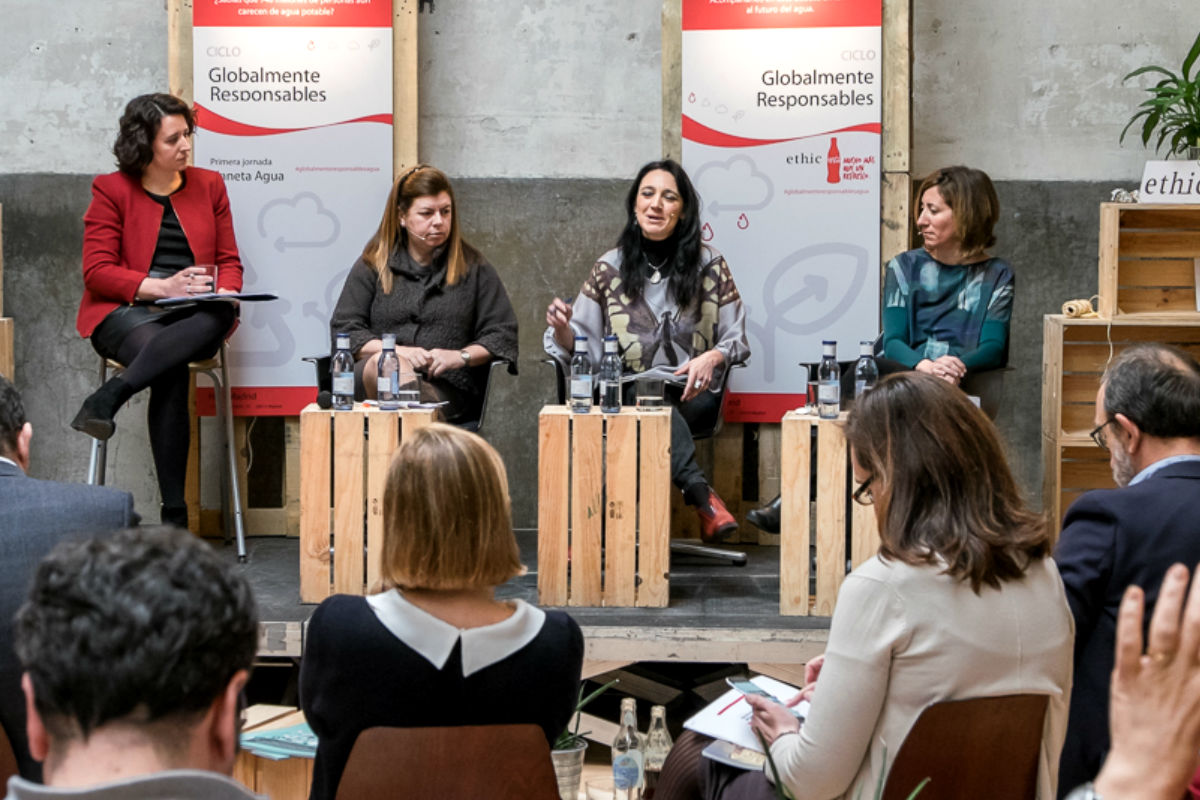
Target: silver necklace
{"type": "Point", "coordinates": [656, 276]}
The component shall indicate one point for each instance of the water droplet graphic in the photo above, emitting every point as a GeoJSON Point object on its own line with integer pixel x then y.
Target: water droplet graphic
{"type": "Point", "coordinates": [706, 232]}
{"type": "Point", "coordinates": [743, 222]}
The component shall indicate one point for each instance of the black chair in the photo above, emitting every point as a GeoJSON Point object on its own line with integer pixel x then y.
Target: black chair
{"type": "Point", "coordinates": [706, 430]}
{"type": "Point", "coordinates": [325, 384]}
{"type": "Point", "coordinates": [987, 385]}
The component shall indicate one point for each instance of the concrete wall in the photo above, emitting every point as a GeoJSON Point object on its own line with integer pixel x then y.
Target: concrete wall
{"type": "Point", "coordinates": [541, 110]}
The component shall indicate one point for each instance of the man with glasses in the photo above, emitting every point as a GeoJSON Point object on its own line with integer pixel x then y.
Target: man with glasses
{"type": "Point", "coordinates": [1148, 419]}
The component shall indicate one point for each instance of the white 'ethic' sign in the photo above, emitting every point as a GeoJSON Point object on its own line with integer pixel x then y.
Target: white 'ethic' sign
{"type": "Point", "coordinates": [1170, 182]}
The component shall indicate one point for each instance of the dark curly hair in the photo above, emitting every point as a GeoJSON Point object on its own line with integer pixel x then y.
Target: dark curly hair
{"type": "Point", "coordinates": [684, 266]}
{"type": "Point", "coordinates": [145, 625]}
{"type": "Point", "coordinates": [12, 417]}
{"type": "Point", "coordinates": [139, 126]}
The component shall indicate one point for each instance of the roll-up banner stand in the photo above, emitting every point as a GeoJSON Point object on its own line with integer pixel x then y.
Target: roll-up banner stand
{"type": "Point", "coordinates": [294, 109]}
{"type": "Point", "coordinates": [781, 135]}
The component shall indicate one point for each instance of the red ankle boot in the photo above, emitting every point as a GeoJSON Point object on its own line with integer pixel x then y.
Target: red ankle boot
{"type": "Point", "coordinates": [715, 520]}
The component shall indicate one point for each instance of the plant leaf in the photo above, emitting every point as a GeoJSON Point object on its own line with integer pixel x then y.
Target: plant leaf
{"type": "Point", "coordinates": [1144, 70]}
{"type": "Point", "coordinates": [1191, 58]}
{"type": "Point", "coordinates": [917, 790]}
{"type": "Point", "coordinates": [781, 791]}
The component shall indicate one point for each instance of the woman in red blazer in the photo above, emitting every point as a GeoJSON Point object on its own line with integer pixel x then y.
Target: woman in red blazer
{"type": "Point", "coordinates": [149, 230]}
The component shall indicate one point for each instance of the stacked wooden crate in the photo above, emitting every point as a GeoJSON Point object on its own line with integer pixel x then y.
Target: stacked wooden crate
{"type": "Point", "coordinates": [1149, 257]}
{"type": "Point", "coordinates": [6, 323]}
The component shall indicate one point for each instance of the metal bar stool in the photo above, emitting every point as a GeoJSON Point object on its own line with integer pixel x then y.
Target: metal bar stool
{"type": "Point", "coordinates": [231, 499]}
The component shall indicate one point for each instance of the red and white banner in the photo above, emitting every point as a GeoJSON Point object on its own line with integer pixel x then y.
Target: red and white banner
{"type": "Point", "coordinates": [781, 136]}
{"type": "Point", "coordinates": [294, 109]}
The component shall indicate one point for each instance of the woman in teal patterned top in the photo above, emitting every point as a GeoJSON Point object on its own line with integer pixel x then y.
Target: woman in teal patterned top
{"type": "Point", "coordinates": [947, 305]}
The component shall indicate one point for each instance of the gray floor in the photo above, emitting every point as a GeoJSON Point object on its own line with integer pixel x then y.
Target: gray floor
{"type": "Point", "coordinates": [703, 594]}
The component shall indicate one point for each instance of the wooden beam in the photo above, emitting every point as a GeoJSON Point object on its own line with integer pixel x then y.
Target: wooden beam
{"type": "Point", "coordinates": [672, 79]}
{"type": "Point", "coordinates": [179, 49]}
{"type": "Point", "coordinates": [897, 85]}
{"type": "Point", "coordinates": [404, 85]}
{"type": "Point", "coordinates": [1, 259]}
{"type": "Point", "coordinates": [7, 364]}
{"type": "Point", "coordinates": [895, 220]}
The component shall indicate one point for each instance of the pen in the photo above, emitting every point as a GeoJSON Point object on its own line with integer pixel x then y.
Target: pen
{"type": "Point", "coordinates": [739, 699]}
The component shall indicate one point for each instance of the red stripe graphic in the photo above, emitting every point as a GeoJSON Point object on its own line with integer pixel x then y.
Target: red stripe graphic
{"type": "Point", "coordinates": [744, 14]}
{"type": "Point", "coordinates": [702, 134]}
{"type": "Point", "coordinates": [259, 401]}
{"type": "Point", "coordinates": [209, 120]}
{"type": "Point", "coordinates": [291, 13]}
{"type": "Point", "coordinates": [756, 407]}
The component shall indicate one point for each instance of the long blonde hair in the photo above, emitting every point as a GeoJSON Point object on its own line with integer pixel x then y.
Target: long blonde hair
{"type": "Point", "coordinates": [420, 181]}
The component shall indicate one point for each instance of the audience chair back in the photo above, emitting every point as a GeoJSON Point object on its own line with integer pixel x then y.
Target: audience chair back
{"type": "Point", "coordinates": [8, 759]}
{"type": "Point", "coordinates": [982, 747]}
{"type": "Point", "coordinates": [500, 762]}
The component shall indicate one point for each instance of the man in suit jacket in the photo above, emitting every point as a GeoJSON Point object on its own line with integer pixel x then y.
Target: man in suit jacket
{"type": "Point", "coordinates": [35, 515]}
{"type": "Point", "coordinates": [1148, 418]}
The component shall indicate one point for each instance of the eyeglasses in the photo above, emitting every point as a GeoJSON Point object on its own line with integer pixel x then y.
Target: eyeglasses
{"type": "Point", "coordinates": [1097, 433]}
{"type": "Point", "coordinates": [862, 495]}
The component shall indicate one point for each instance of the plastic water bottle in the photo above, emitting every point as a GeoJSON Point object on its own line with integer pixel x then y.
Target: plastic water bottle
{"type": "Point", "coordinates": [387, 387]}
{"type": "Point", "coordinates": [658, 745]}
{"type": "Point", "coordinates": [628, 757]}
{"type": "Point", "coordinates": [342, 370]}
{"type": "Point", "coordinates": [610, 377]}
{"type": "Point", "coordinates": [829, 382]}
{"type": "Point", "coordinates": [581, 378]}
{"type": "Point", "coordinates": [866, 371]}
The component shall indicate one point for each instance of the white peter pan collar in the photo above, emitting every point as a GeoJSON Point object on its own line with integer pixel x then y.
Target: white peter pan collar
{"type": "Point", "coordinates": [434, 639]}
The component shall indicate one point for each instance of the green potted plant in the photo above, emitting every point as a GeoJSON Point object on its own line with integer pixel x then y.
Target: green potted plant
{"type": "Point", "coordinates": [570, 746]}
{"type": "Point", "coordinates": [1173, 108]}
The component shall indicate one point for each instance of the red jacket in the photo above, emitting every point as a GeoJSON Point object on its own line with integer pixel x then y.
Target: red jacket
{"type": "Point", "coordinates": [120, 232]}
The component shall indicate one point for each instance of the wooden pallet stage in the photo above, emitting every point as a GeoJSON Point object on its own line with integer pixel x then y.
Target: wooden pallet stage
{"type": "Point", "coordinates": [716, 613]}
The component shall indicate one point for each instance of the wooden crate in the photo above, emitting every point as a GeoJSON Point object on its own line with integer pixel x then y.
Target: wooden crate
{"type": "Point", "coordinates": [288, 779]}
{"type": "Point", "coordinates": [604, 483]}
{"type": "Point", "coordinates": [1148, 258]}
{"type": "Point", "coordinates": [838, 518]}
{"type": "Point", "coordinates": [1075, 355]}
{"type": "Point", "coordinates": [344, 457]}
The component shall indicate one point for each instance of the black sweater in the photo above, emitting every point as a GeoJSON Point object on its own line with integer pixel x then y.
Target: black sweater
{"type": "Point", "coordinates": [356, 674]}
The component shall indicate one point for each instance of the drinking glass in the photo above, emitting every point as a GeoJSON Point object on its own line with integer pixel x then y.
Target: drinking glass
{"type": "Point", "coordinates": [211, 271]}
{"type": "Point", "coordinates": [410, 389]}
{"type": "Point", "coordinates": [649, 392]}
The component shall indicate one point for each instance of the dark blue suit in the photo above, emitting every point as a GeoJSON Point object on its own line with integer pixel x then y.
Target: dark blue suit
{"type": "Point", "coordinates": [1113, 538]}
{"type": "Point", "coordinates": [36, 515]}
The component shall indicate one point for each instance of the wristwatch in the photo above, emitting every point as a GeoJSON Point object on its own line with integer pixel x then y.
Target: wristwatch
{"type": "Point", "coordinates": [466, 357]}
{"type": "Point", "coordinates": [1085, 792]}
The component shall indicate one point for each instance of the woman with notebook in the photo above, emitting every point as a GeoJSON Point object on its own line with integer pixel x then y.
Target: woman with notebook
{"type": "Point", "coordinates": [962, 600]}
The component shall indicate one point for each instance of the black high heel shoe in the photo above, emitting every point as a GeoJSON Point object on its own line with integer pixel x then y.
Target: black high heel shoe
{"type": "Point", "coordinates": [766, 518]}
{"type": "Point", "coordinates": [95, 417]}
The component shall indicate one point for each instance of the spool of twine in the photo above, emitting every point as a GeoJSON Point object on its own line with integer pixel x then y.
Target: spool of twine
{"type": "Point", "coordinates": [1078, 309]}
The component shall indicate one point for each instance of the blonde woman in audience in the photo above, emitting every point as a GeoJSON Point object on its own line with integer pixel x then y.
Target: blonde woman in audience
{"type": "Point", "coordinates": [436, 647]}
{"type": "Point", "coordinates": [961, 601]}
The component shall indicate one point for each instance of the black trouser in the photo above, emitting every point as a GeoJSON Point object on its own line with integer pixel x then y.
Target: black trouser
{"type": "Point", "coordinates": [698, 413]}
{"type": "Point", "coordinates": [156, 355]}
